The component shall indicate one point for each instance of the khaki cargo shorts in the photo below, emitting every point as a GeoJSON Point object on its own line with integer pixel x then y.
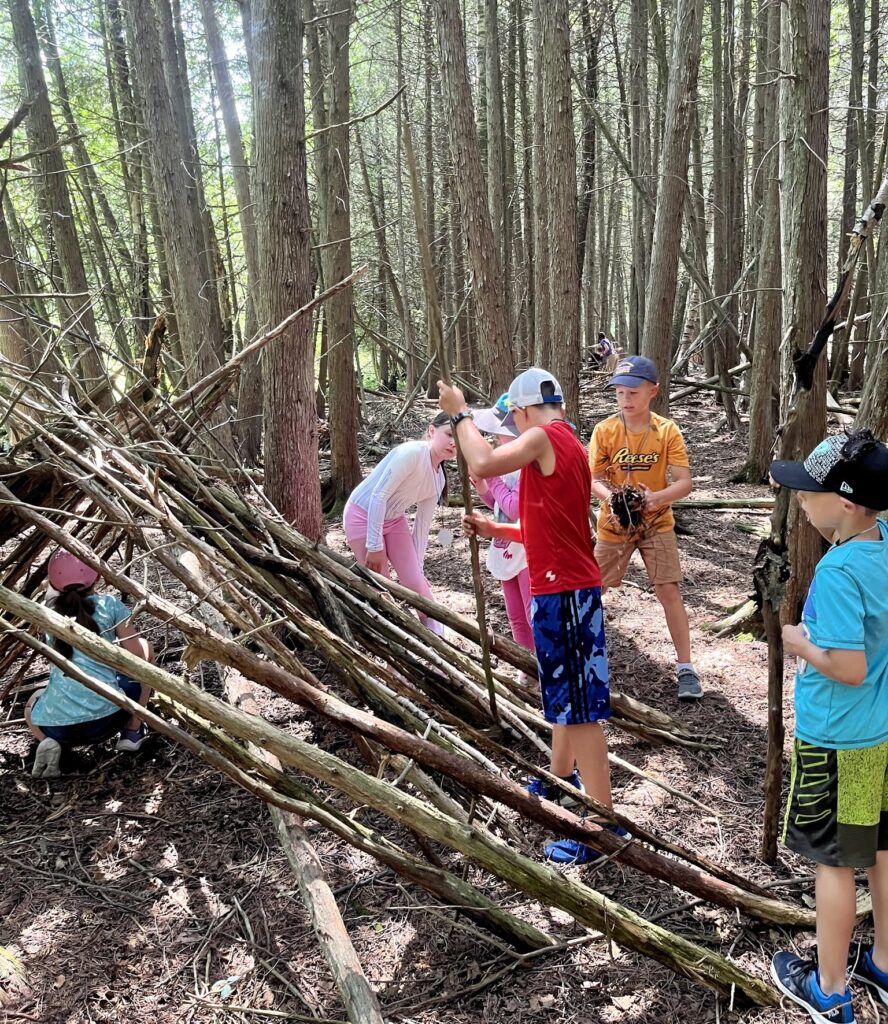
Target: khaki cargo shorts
{"type": "Point", "coordinates": [659, 553]}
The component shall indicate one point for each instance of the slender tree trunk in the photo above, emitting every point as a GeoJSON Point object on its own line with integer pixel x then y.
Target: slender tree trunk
{"type": "Point", "coordinates": [496, 147]}
{"type": "Point", "coordinates": [345, 464]}
{"type": "Point", "coordinates": [804, 115]}
{"type": "Point", "coordinates": [768, 312]}
{"type": "Point", "coordinates": [496, 349]}
{"type": "Point", "coordinates": [640, 156]}
{"type": "Point", "coordinates": [75, 310]}
{"type": "Point", "coordinates": [682, 94]}
{"type": "Point", "coordinates": [542, 350]}
{"type": "Point", "coordinates": [282, 222]}
{"type": "Point", "coordinates": [249, 402]}
{"type": "Point", "coordinates": [199, 319]}
{"type": "Point", "coordinates": [560, 143]}
{"type": "Point", "coordinates": [856, 19]}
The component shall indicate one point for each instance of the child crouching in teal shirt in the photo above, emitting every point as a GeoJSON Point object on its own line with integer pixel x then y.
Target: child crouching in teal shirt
{"type": "Point", "coordinates": [66, 713]}
{"type": "Point", "coordinates": [837, 811]}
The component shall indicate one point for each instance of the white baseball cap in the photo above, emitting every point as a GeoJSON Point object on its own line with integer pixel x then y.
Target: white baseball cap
{"type": "Point", "coordinates": [533, 387]}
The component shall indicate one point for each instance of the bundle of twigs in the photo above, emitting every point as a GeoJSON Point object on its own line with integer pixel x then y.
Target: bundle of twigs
{"type": "Point", "coordinates": [420, 704]}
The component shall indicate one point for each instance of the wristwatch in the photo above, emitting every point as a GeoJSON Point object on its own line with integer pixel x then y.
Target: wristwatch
{"type": "Point", "coordinates": [459, 417]}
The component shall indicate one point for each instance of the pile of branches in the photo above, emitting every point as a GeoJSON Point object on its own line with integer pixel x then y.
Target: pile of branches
{"type": "Point", "coordinates": [134, 482]}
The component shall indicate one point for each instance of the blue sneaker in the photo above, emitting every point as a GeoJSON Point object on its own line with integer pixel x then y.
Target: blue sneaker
{"type": "Point", "coordinates": [797, 978]}
{"type": "Point", "coordinates": [545, 791]}
{"type": "Point", "coordinates": [860, 963]}
{"type": "Point", "coordinates": [571, 851]}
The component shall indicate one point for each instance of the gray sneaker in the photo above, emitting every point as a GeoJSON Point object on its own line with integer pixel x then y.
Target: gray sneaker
{"type": "Point", "coordinates": [689, 687]}
{"type": "Point", "coordinates": [46, 760]}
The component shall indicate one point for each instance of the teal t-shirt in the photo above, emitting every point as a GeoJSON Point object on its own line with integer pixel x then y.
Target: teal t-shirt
{"type": "Point", "coordinates": [847, 609]}
{"type": "Point", "coordinates": [66, 701]}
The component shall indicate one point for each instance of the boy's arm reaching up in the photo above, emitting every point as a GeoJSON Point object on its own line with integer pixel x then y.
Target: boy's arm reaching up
{"type": "Point", "coordinates": [532, 446]}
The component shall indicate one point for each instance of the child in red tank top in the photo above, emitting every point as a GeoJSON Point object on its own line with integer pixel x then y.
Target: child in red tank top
{"type": "Point", "coordinates": [567, 619]}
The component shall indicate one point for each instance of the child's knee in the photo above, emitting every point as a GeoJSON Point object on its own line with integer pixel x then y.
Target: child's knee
{"type": "Point", "coordinates": [668, 593]}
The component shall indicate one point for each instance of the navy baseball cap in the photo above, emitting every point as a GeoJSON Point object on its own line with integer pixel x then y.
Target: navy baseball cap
{"type": "Point", "coordinates": [853, 466]}
{"type": "Point", "coordinates": [632, 371]}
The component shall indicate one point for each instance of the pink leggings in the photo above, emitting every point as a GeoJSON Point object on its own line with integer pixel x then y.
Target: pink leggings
{"type": "Point", "coordinates": [516, 594]}
{"type": "Point", "coordinates": [399, 552]}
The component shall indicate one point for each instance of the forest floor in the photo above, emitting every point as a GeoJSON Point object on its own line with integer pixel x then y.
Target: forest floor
{"type": "Point", "coordinates": [149, 889]}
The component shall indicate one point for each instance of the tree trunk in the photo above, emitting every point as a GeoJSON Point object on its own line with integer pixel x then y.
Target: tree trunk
{"type": "Point", "coordinates": [804, 115]}
{"type": "Point", "coordinates": [682, 94]}
{"type": "Point", "coordinates": [75, 308]}
{"type": "Point", "coordinates": [768, 310]}
{"type": "Point", "coordinates": [282, 222]}
{"type": "Point", "coordinates": [564, 283]}
{"type": "Point", "coordinates": [541, 352]}
{"type": "Point", "coordinates": [496, 349]}
{"type": "Point", "coordinates": [856, 18]}
{"type": "Point", "coordinates": [249, 402]}
{"type": "Point", "coordinates": [344, 462]}
{"type": "Point", "coordinates": [199, 320]}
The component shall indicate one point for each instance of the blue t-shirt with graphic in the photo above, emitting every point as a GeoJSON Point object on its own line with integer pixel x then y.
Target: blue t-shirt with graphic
{"type": "Point", "coordinates": [66, 701]}
{"type": "Point", "coordinates": [847, 609]}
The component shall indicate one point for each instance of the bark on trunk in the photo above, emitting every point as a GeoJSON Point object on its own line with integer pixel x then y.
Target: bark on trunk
{"type": "Point", "coordinates": [681, 97]}
{"type": "Point", "coordinates": [496, 350]}
{"type": "Point", "coordinates": [282, 221]}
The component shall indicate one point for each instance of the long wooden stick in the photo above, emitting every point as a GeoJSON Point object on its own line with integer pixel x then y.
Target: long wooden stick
{"type": "Point", "coordinates": [436, 345]}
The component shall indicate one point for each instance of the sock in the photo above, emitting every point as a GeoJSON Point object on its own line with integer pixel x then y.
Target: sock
{"type": "Point", "coordinates": [683, 665]}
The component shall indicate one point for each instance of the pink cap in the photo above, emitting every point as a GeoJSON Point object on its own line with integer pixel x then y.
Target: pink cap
{"type": "Point", "coordinates": [66, 570]}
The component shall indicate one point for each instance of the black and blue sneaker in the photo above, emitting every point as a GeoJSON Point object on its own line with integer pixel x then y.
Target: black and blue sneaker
{"type": "Point", "coordinates": [546, 791]}
{"type": "Point", "coordinates": [571, 851]}
{"type": "Point", "coordinates": [797, 978]}
{"type": "Point", "coordinates": [862, 968]}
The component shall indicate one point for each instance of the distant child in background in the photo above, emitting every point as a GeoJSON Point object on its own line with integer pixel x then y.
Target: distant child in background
{"type": "Point", "coordinates": [568, 624]}
{"type": "Point", "coordinates": [66, 713]}
{"type": "Point", "coordinates": [607, 352]}
{"type": "Point", "coordinates": [837, 809]}
{"type": "Point", "coordinates": [639, 449]}
{"type": "Point", "coordinates": [506, 560]}
{"type": "Point", "coordinates": [375, 520]}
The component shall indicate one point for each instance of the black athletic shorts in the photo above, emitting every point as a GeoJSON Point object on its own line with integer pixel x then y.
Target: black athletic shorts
{"type": "Point", "coordinates": [837, 810]}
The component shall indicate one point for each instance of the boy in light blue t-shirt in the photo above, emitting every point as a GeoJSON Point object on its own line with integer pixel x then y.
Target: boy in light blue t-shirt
{"type": "Point", "coordinates": [837, 811]}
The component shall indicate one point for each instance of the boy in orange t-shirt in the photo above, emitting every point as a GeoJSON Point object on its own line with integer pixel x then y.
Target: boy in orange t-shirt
{"type": "Point", "coordinates": [640, 448]}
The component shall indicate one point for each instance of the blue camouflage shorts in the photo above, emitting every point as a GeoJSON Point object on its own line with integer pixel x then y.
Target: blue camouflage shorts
{"type": "Point", "coordinates": [568, 630]}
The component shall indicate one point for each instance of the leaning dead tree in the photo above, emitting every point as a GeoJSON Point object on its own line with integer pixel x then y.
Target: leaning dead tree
{"type": "Point", "coordinates": [264, 603]}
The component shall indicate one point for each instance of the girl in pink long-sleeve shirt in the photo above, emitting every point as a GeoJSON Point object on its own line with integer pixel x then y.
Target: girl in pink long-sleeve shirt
{"type": "Point", "coordinates": [375, 520]}
{"type": "Point", "coordinates": [506, 560]}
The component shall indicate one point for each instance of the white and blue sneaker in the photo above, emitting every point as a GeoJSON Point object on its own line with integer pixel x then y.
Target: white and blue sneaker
{"type": "Point", "coordinates": [797, 979]}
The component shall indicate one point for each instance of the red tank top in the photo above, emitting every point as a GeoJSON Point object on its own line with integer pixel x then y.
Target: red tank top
{"type": "Point", "coordinates": [554, 514]}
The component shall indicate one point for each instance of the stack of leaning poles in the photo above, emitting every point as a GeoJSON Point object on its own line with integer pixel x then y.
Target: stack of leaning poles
{"type": "Point", "coordinates": [133, 490]}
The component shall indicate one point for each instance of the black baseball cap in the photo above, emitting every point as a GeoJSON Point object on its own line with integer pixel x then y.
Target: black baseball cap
{"type": "Point", "coordinates": [854, 466]}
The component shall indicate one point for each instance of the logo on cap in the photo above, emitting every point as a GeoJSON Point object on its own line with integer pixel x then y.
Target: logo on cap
{"type": "Point", "coordinates": [845, 487]}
